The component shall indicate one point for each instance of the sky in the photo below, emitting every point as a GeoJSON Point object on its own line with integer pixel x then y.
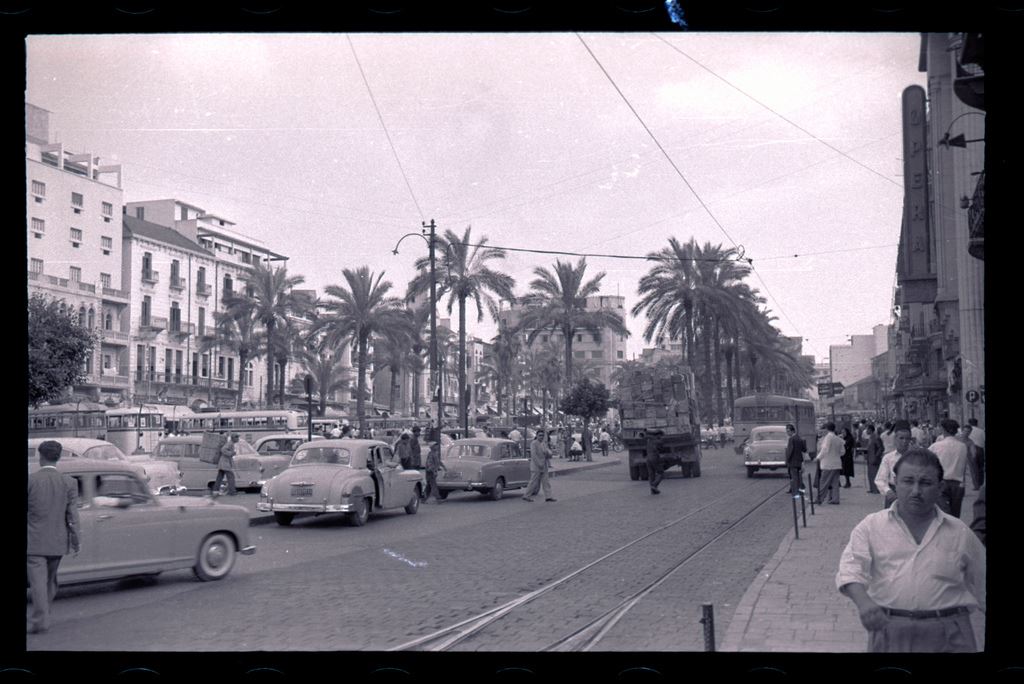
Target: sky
{"type": "Point", "coordinates": [330, 147]}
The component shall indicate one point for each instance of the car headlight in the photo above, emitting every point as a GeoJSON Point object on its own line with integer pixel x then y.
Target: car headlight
{"type": "Point", "coordinates": [265, 489]}
{"type": "Point", "coordinates": [746, 452]}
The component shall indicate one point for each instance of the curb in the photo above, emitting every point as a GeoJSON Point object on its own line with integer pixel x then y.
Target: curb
{"type": "Point", "coordinates": [267, 518]}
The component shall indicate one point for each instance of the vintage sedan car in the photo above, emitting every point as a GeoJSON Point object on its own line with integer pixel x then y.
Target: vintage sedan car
{"type": "Point", "coordinates": [196, 474]}
{"type": "Point", "coordinates": [483, 464]}
{"type": "Point", "coordinates": [160, 476]}
{"type": "Point", "coordinates": [275, 451]}
{"type": "Point", "coordinates": [765, 449]}
{"type": "Point", "coordinates": [353, 476]}
{"type": "Point", "coordinates": [128, 532]}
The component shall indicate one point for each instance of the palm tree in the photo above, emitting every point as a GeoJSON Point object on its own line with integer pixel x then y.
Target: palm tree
{"type": "Point", "coordinates": [506, 349]}
{"type": "Point", "coordinates": [237, 331]}
{"type": "Point", "coordinates": [544, 366]}
{"type": "Point", "coordinates": [670, 293]}
{"type": "Point", "coordinates": [271, 302]}
{"type": "Point", "coordinates": [558, 302]}
{"type": "Point", "coordinates": [329, 372]}
{"type": "Point", "coordinates": [468, 276]}
{"type": "Point", "coordinates": [392, 352]}
{"type": "Point", "coordinates": [360, 312]}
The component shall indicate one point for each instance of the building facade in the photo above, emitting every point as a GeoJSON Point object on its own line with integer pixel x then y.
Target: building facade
{"type": "Point", "coordinates": [73, 211]}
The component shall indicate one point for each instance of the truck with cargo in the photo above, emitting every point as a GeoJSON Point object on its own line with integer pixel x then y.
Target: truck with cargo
{"type": "Point", "coordinates": [656, 399]}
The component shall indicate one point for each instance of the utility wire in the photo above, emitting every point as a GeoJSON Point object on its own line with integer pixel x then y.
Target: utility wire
{"type": "Point", "coordinates": [382, 125]}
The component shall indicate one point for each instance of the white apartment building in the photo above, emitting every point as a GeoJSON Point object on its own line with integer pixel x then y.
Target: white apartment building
{"type": "Point", "coordinates": [73, 210]}
{"type": "Point", "coordinates": [603, 348]}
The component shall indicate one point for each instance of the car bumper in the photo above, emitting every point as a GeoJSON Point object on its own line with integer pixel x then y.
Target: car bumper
{"type": "Point", "coordinates": [171, 490]}
{"type": "Point", "coordinates": [273, 507]}
{"type": "Point", "coordinates": [462, 485]}
{"type": "Point", "coordinates": [247, 550]}
{"type": "Point", "coordinates": [766, 464]}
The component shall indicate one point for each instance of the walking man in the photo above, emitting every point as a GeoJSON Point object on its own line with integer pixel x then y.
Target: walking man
{"type": "Point", "coordinates": [829, 459]}
{"type": "Point", "coordinates": [885, 480]}
{"type": "Point", "coordinates": [226, 466]}
{"type": "Point", "coordinates": [433, 465]}
{"type": "Point", "coordinates": [952, 455]}
{"type": "Point", "coordinates": [795, 449]}
{"type": "Point", "coordinates": [977, 435]}
{"type": "Point", "coordinates": [914, 572]}
{"type": "Point", "coordinates": [403, 451]}
{"type": "Point", "coordinates": [52, 532]}
{"type": "Point", "coordinates": [655, 472]}
{"type": "Point", "coordinates": [605, 440]}
{"type": "Point", "coordinates": [540, 462]}
{"type": "Point", "coordinates": [873, 455]}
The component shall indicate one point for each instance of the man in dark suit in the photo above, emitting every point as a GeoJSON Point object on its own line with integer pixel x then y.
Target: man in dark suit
{"type": "Point", "coordinates": [52, 531]}
{"type": "Point", "coordinates": [655, 471]}
{"type": "Point", "coordinates": [874, 454]}
{"type": "Point", "coordinates": [795, 449]}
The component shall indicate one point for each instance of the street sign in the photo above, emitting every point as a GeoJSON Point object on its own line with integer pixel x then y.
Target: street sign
{"type": "Point", "coordinates": [972, 396]}
{"type": "Point", "coordinates": [824, 389]}
{"type": "Point", "coordinates": [837, 388]}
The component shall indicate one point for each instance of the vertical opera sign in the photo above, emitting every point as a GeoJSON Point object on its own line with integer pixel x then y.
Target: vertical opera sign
{"type": "Point", "coordinates": [916, 248]}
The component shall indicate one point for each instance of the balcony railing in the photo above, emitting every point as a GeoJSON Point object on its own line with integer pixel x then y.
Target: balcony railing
{"type": "Point", "coordinates": [204, 289]}
{"type": "Point", "coordinates": [111, 293]}
{"type": "Point", "coordinates": [87, 287]}
{"type": "Point", "coordinates": [177, 283]}
{"type": "Point", "coordinates": [183, 329]}
{"type": "Point", "coordinates": [164, 378]}
{"type": "Point", "coordinates": [150, 277]}
{"type": "Point", "coordinates": [115, 336]}
{"type": "Point", "coordinates": [153, 323]}
{"type": "Point", "coordinates": [115, 379]}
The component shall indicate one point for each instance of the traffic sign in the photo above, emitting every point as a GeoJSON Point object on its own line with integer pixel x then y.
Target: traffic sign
{"type": "Point", "coordinates": [837, 388]}
{"type": "Point", "coordinates": [972, 396]}
{"type": "Point", "coordinates": [824, 389]}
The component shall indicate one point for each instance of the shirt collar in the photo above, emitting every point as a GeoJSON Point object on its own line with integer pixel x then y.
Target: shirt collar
{"type": "Point", "coordinates": [940, 515]}
{"type": "Point", "coordinates": [52, 467]}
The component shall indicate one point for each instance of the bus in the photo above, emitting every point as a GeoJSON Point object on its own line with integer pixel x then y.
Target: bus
{"type": "Point", "coordinates": [132, 428]}
{"type": "Point", "coordinates": [81, 419]}
{"type": "Point", "coordinates": [251, 425]}
{"type": "Point", "coordinates": [772, 409]}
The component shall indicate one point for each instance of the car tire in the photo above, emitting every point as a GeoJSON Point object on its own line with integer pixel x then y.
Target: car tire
{"type": "Point", "coordinates": [358, 517]}
{"type": "Point", "coordinates": [634, 472]}
{"type": "Point", "coordinates": [284, 519]}
{"type": "Point", "coordinates": [751, 470]}
{"type": "Point", "coordinates": [442, 494]}
{"type": "Point", "coordinates": [414, 502]}
{"type": "Point", "coordinates": [687, 469]}
{"type": "Point", "coordinates": [696, 469]}
{"type": "Point", "coordinates": [642, 470]}
{"type": "Point", "coordinates": [216, 557]}
{"type": "Point", "coordinates": [497, 490]}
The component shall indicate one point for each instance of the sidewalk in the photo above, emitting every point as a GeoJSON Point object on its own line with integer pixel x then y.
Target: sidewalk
{"type": "Point", "coordinates": [793, 605]}
{"type": "Point", "coordinates": [559, 468]}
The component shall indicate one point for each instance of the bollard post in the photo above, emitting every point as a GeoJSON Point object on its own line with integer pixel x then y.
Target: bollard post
{"type": "Point", "coordinates": [796, 523]}
{"type": "Point", "coordinates": [803, 508]}
{"type": "Point", "coordinates": [708, 621]}
{"type": "Point", "coordinates": [810, 492]}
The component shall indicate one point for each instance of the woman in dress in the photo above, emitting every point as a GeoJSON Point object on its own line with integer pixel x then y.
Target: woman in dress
{"type": "Point", "coordinates": [849, 444]}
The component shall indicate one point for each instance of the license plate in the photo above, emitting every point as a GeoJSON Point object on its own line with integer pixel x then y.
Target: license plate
{"type": "Point", "coordinates": [452, 475]}
{"type": "Point", "coordinates": [300, 491]}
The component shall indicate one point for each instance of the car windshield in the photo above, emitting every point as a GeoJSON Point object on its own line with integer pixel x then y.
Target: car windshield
{"type": "Point", "coordinates": [172, 450]}
{"type": "Point", "coordinates": [104, 452]}
{"type": "Point", "coordinates": [334, 455]}
{"type": "Point", "coordinates": [467, 451]}
{"type": "Point", "coordinates": [765, 436]}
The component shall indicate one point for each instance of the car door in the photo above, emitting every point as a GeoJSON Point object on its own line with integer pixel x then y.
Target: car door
{"type": "Point", "coordinates": [387, 476]}
{"type": "Point", "coordinates": [135, 532]}
{"type": "Point", "coordinates": [519, 465]}
{"type": "Point", "coordinates": [84, 564]}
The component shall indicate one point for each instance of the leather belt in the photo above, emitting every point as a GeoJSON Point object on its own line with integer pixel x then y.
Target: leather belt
{"type": "Point", "coordinates": [926, 614]}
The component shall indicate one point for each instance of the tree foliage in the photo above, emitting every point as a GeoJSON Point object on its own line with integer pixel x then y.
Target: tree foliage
{"type": "Point", "coordinates": [586, 399]}
{"type": "Point", "coordinates": [58, 347]}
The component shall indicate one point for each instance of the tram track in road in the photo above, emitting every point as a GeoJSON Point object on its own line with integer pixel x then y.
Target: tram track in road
{"type": "Point", "coordinates": [585, 637]}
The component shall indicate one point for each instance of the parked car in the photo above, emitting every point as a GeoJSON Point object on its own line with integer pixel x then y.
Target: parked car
{"type": "Point", "coordinates": [196, 474]}
{"type": "Point", "coordinates": [765, 449]}
{"type": "Point", "coordinates": [350, 476]}
{"type": "Point", "coordinates": [275, 451]}
{"type": "Point", "coordinates": [161, 477]}
{"type": "Point", "coordinates": [483, 464]}
{"type": "Point", "coordinates": [128, 532]}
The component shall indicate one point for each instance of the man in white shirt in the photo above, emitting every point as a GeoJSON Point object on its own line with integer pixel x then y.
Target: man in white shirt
{"type": "Point", "coordinates": [914, 572]}
{"type": "Point", "coordinates": [917, 434]}
{"type": "Point", "coordinates": [336, 432]}
{"type": "Point", "coordinates": [952, 455]}
{"type": "Point", "coordinates": [830, 453]}
{"type": "Point", "coordinates": [885, 479]}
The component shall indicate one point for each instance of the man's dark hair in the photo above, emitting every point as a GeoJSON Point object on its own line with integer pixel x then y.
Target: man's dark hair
{"type": "Point", "coordinates": [830, 426]}
{"type": "Point", "coordinates": [914, 423]}
{"type": "Point", "coordinates": [949, 425]}
{"type": "Point", "coordinates": [50, 450]}
{"type": "Point", "coordinates": [870, 428]}
{"type": "Point", "coordinates": [921, 457]}
{"type": "Point", "coordinates": [973, 422]}
{"type": "Point", "coordinates": [901, 425]}
{"type": "Point", "coordinates": [790, 427]}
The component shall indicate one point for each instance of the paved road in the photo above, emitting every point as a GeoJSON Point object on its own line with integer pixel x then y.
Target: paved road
{"type": "Point", "coordinates": [321, 585]}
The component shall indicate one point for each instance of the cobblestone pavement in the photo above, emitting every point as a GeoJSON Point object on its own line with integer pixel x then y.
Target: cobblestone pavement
{"type": "Point", "coordinates": [374, 594]}
{"type": "Point", "coordinates": [793, 605]}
